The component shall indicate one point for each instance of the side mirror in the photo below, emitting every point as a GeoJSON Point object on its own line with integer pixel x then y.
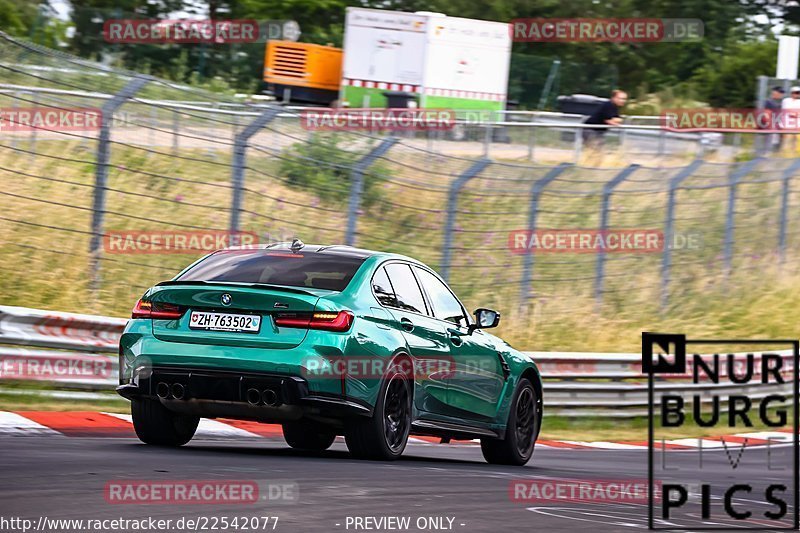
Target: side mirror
{"type": "Point", "coordinates": [486, 318]}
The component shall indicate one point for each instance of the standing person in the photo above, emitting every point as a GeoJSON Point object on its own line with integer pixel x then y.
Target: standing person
{"type": "Point", "coordinates": [608, 115]}
{"type": "Point", "coordinates": [771, 142]}
{"type": "Point", "coordinates": [790, 111]}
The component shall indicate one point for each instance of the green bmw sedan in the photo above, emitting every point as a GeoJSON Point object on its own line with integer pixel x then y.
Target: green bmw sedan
{"type": "Point", "coordinates": [326, 341]}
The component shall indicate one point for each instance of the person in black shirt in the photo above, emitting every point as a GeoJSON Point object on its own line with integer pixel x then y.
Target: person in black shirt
{"type": "Point", "coordinates": [606, 114]}
{"type": "Point", "coordinates": [775, 100]}
{"type": "Point", "coordinates": [771, 142]}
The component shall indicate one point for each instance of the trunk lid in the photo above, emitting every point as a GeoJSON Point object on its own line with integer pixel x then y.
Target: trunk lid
{"type": "Point", "coordinates": [258, 302]}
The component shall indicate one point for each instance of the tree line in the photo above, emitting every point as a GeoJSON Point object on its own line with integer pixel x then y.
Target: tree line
{"type": "Point", "coordinates": [719, 70]}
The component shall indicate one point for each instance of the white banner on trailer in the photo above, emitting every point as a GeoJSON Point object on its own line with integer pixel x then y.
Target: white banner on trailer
{"type": "Point", "coordinates": [788, 49]}
{"type": "Point", "coordinates": [468, 55]}
{"type": "Point", "coordinates": [384, 46]}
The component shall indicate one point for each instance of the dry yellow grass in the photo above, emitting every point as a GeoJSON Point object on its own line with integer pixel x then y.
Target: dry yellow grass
{"type": "Point", "coordinates": [49, 268]}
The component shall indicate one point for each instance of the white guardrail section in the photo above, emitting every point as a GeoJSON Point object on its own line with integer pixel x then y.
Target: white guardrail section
{"type": "Point", "coordinates": [74, 351]}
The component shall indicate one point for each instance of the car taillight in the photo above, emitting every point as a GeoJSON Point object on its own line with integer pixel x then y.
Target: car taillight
{"type": "Point", "coordinates": [328, 321]}
{"type": "Point", "coordinates": [156, 310]}
{"type": "Point", "coordinates": [142, 309]}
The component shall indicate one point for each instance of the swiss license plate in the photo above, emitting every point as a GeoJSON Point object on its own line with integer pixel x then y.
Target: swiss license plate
{"type": "Point", "coordinates": [224, 322]}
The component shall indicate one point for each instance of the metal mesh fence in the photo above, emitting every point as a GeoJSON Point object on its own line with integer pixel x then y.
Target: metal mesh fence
{"type": "Point", "coordinates": [170, 158]}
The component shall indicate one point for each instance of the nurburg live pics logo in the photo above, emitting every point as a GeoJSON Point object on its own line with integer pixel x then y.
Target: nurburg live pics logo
{"type": "Point", "coordinates": [741, 486]}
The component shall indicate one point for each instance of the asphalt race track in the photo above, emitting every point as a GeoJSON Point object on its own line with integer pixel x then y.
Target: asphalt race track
{"type": "Point", "coordinates": [63, 478]}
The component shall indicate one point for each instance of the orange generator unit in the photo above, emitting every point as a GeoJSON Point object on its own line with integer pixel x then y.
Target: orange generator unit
{"type": "Point", "coordinates": [303, 72]}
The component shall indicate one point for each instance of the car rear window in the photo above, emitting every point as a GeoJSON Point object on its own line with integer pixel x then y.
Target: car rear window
{"type": "Point", "coordinates": [315, 270]}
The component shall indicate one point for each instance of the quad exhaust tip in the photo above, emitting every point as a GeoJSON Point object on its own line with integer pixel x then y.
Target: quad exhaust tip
{"type": "Point", "coordinates": [178, 391]}
{"type": "Point", "coordinates": [253, 396]}
{"type": "Point", "coordinates": [162, 390]}
{"type": "Point", "coordinates": [266, 397]}
{"type": "Point", "coordinates": [269, 397]}
{"type": "Point", "coordinates": [167, 391]}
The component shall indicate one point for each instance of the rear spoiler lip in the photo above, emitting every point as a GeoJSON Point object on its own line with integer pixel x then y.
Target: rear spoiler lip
{"type": "Point", "coordinates": [285, 288]}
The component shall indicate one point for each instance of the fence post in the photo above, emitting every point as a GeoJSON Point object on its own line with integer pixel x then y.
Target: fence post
{"type": "Point", "coordinates": [608, 190]}
{"type": "Point", "coordinates": [578, 146]}
{"type": "Point", "coordinates": [101, 174]}
{"type": "Point", "coordinates": [787, 176]}
{"type": "Point", "coordinates": [452, 199]}
{"type": "Point", "coordinates": [662, 142]}
{"type": "Point", "coordinates": [357, 186]}
{"type": "Point", "coordinates": [762, 142]}
{"type": "Point", "coordinates": [533, 210]}
{"type": "Point", "coordinates": [761, 92]}
{"type": "Point", "coordinates": [531, 139]}
{"type": "Point", "coordinates": [669, 227]}
{"type": "Point", "coordinates": [736, 176]}
{"type": "Point", "coordinates": [238, 162]}
{"type": "Point", "coordinates": [234, 126]}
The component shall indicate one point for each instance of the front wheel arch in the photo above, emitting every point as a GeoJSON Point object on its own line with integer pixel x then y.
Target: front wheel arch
{"type": "Point", "coordinates": [532, 375]}
{"type": "Point", "coordinates": [517, 444]}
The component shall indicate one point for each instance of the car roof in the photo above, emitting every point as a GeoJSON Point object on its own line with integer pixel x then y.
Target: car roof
{"type": "Point", "coordinates": [332, 249]}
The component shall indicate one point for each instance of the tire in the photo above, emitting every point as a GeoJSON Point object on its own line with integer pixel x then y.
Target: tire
{"type": "Point", "coordinates": [307, 436]}
{"type": "Point", "coordinates": [521, 431]}
{"type": "Point", "coordinates": [157, 425]}
{"type": "Point", "coordinates": [384, 435]}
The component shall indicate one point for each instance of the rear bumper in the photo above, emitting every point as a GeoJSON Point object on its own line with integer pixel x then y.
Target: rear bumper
{"type": "Point", "coordinates": [264, 397]}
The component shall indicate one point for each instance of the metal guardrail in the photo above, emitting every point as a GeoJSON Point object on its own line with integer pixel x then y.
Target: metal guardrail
{"type": "Point", "coordinates": [576, 383]}
{"type": "Point", "coordinates": [72, 369]}
{"type": "Point", "coordinates": [69, 350]}
{"type": "Point", "coordinates": [51, 329]}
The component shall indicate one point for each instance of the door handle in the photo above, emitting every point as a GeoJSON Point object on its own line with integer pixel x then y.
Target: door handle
{"type": "Point", "coordinates": [406, 324]}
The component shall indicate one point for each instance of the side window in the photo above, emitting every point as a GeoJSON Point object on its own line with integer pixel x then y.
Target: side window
{"type": "Point", "coordinates": [445, 305]}
{"type": "Point", "coordinates": [406, 289]}
{"type": "Point", "coordinates": [383, 288]}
